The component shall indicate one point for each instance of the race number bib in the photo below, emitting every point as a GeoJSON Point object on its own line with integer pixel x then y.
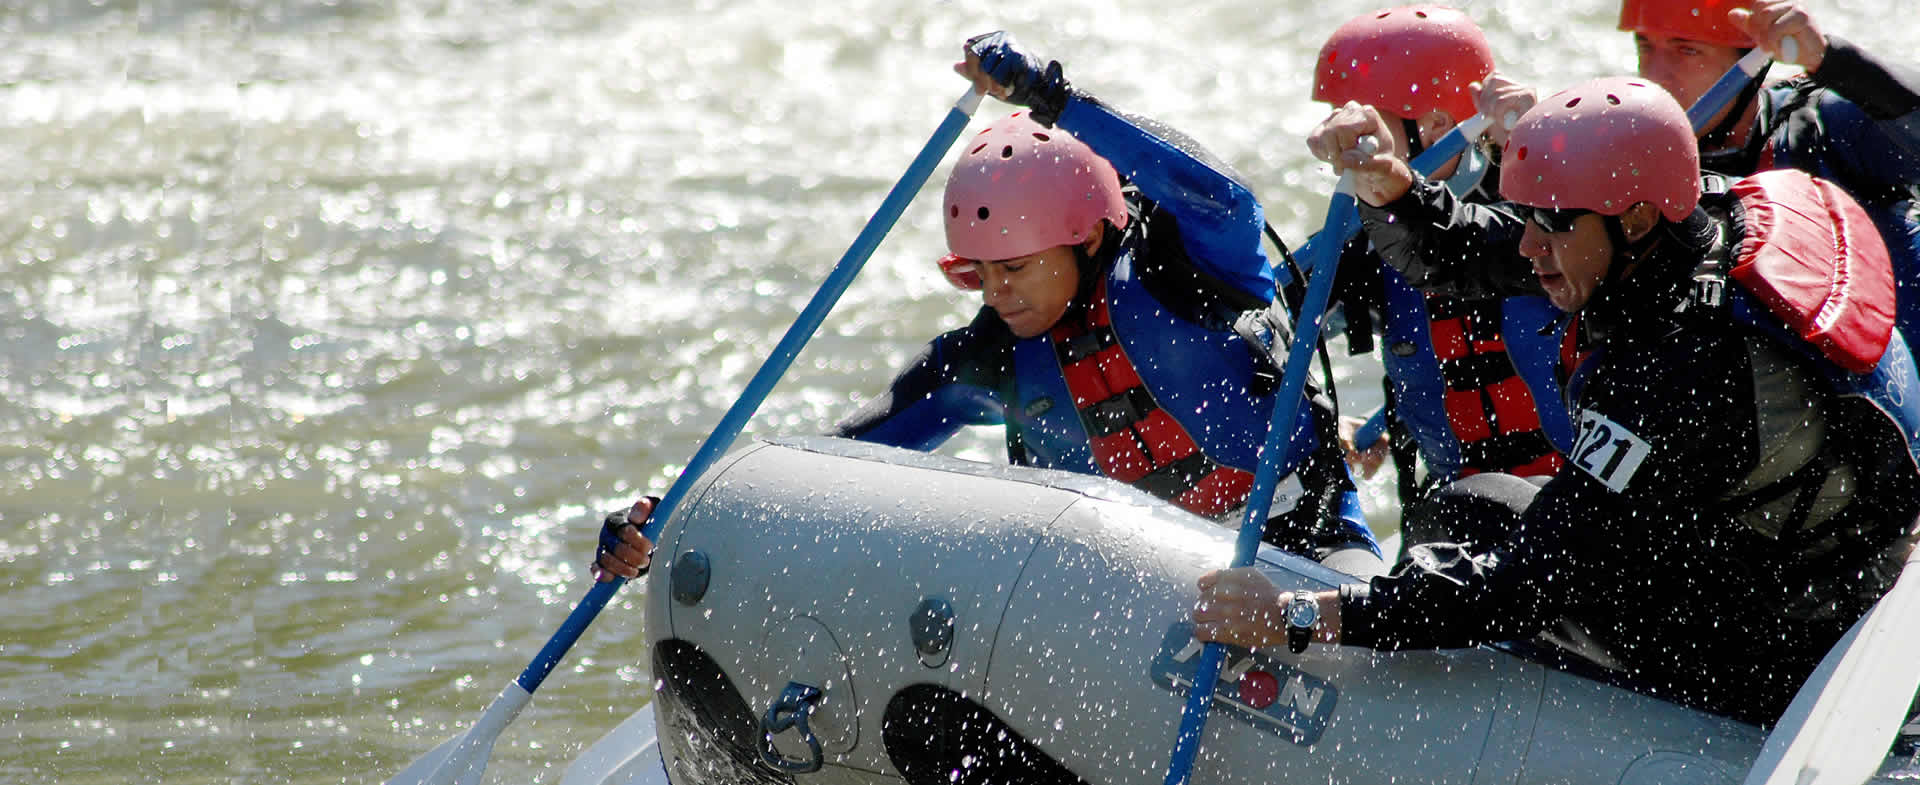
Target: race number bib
{"type": "Point", "coordinates": [1608, 451]}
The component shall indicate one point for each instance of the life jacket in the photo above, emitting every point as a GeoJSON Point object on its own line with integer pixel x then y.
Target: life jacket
{"type": "Point", "coordinates": [1814, 258]}
{"type": "Point", "coordinates": [1134, 439]}
{"type": "Point", "coordinates": [1802, 126]}
{"type": "Point", "coordinates": [1812, 269]}
{"type": "Point", "coordinates": [1805, 277]}
{"type": "Point", "coordinates": [1133, 392]}
{"type": "Point", "coordinates": [1476, 380]}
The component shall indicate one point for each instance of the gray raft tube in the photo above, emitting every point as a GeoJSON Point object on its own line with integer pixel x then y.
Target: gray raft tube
{"type": "Point", "coordinates": [827, 611]}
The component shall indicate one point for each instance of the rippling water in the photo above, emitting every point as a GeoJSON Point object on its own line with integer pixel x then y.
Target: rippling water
{"type": "Point", "coordinates": [327, 327]}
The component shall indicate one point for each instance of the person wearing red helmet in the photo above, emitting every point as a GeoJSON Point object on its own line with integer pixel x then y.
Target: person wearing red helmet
{"type": "Point", "coordinates": [1469, 381]}
{"type": "Point", "coordinates": [1851, 118]}
{"type": "Point", "coordinates": [1746, 477]}
{"type": "Point", "coordinates": [1114, 258]}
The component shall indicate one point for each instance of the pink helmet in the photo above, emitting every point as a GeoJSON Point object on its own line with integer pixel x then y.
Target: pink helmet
{"type": "Point", "coordinates": [1407, 61]}
{"type": "Point", "coordinates": [1021, 188]}
{"type": "Point", "coordinates": [1604, 146]}
{"type": "Point", "coordinates": [1699, 20]}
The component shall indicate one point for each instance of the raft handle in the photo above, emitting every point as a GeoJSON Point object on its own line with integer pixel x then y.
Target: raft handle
{"type": "Point", "coordinates": [796, 702]}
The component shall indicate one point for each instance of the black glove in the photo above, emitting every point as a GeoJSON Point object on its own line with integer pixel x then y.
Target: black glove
{"type": "Point", "coordinates": [1043, 89]}
{"type": "Point", "coordinates": [610, 532]}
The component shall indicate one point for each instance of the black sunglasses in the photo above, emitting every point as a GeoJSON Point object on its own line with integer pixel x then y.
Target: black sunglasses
{"type": "Point", "coordinates": [1553, 220]}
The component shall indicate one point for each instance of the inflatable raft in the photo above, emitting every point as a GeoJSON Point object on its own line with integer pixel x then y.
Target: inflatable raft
{"type": "Point", "coordinates": [825, 611]}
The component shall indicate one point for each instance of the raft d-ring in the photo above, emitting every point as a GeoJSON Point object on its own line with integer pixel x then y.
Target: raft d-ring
{"type": "Point", "coordinates": [796, 702]}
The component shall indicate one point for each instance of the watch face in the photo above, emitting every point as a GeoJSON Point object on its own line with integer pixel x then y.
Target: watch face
{"type": "Point", "coordinates": [1303, 612]}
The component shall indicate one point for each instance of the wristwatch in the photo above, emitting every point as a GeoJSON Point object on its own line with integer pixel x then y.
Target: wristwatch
{"type": "Point", "coordinates": [1302, 612]}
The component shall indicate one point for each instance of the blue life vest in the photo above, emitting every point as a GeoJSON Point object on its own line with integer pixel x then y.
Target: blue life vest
{"type": "Point", "coordinates": [1486, 395]}
{"type": "Point", "coordinates": [1808, 274]}
{"type": "Point", "coordinates": [1513, 398]}
{"type": "Point", "coordinates": [1889, 386]}
{"type": "Point", "coordinates": [1202, 377]}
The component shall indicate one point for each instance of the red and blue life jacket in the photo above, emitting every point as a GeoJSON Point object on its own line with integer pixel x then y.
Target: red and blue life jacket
{"type": "Point", "coordinates": [1133, 392]}
{"type": "Point", "coordinates": [1476, 381]}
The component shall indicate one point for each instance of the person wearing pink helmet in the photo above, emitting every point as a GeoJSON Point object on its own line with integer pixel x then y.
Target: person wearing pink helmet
{"type": "Point", "coordinates": [1746, 477]}
{"type": "Point", "coordinates": [1114, 257]}
{"type": "Point", "coordinates": [1469, 381]}
{"type": "Point", "coordinates": [1851, 117]}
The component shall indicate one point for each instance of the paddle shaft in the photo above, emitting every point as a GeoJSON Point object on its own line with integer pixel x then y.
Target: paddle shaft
{"type": "Point", "coordinates": [764, 380]}
{"type": "Point", "coordinates": [1372, 431]}
{"type": "Point", "coordinates": [1342, 222]}
{"type": "Point", "coordinates": [1723, 91]}
{"type": "Point", "coordinates": [1453, 143]}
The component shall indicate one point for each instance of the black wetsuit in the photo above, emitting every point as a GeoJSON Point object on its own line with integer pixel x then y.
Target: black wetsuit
{"type": "Point", "coordinates": [1674, 536]}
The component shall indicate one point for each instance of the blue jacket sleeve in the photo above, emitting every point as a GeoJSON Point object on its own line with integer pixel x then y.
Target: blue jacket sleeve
{"type": "Point", "coordinates": [948, 386]}
{"type": "Point", "coordinates": [1220, 220]}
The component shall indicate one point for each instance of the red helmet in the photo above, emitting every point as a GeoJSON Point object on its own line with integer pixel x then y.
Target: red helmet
{"type": "Point", "coordinates": [1021, 188]}
{"type": "Point", "coordinates": [1605, 146]}
{"type": "Point", "coordinates": [1698, 20]}
{"type": "Point", "coordinates": [1407, 61]}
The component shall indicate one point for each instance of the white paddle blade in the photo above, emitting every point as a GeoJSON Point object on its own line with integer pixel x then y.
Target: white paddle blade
{"type": "Point", "coordinates": [1843, 721]}
{"type": "Point", "coordinates": [628, 755]}
{"type": "Point", "coordinates": [462, 760]}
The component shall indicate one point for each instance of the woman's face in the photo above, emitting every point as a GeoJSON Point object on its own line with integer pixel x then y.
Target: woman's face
{"type": "Point", "coordinates": [1031, 293]}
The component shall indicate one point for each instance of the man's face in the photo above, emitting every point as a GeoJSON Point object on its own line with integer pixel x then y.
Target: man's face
{"type": "Point", "coordinates": [1031, 293]}
{"type": "Point", "coordinates": [1685, 67]}
{"type": "Point", "coordinates": [1571, 263]}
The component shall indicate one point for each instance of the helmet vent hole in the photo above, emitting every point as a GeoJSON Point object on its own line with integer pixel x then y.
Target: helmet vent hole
{"type": "Point", "coordinates": [1006, 152]}
{"type": "Point", "coordinates": [982, 212]}
{"type": "Point", "coordinates": [976, 150]}
{"type": "Point", "coordinates": [1573, 103]}
{"type": "Point", "coordinates": [953, 211]}
{"type": "Point", "coordinates": [1421, 14]}
{"type": "Point", "coordinates": [1521, 153]}
{"type": "Point", "coordinates": [1043, 137]}
{"type": "Point", "coordinates": [1613, 100]}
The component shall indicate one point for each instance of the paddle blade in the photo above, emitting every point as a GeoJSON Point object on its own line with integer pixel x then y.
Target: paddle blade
{"type": "Point", "coordinates": [462, 760]}
{"type": "Point", "coordinates": [1843, 721]}
{"type": "Point", "coordinates": [627, 755]}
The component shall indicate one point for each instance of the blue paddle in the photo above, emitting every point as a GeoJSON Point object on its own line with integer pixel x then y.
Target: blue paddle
{"type": "Point", "coordinates": [1318, 261]}
{"type": "Point", "coordinates": [1453, 143]}
{"type": "Point", "coordinates": [462, 759]}
{"type": "Point", "coordinates": [1731, 83]}
{"type": "Point", "coordinates": [1371, 431]}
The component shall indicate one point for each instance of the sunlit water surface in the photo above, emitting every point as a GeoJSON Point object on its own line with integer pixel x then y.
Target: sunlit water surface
{"type": "Point", "coordinates": [328, 327]}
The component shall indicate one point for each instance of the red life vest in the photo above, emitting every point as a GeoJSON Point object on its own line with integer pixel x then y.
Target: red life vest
{"type": "Point", "coordinates": [1490, 408]}
{"type": "Point", "coordinates": [1133, 440]}
{"type": "Point", "coordinates": [1815, 259]}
